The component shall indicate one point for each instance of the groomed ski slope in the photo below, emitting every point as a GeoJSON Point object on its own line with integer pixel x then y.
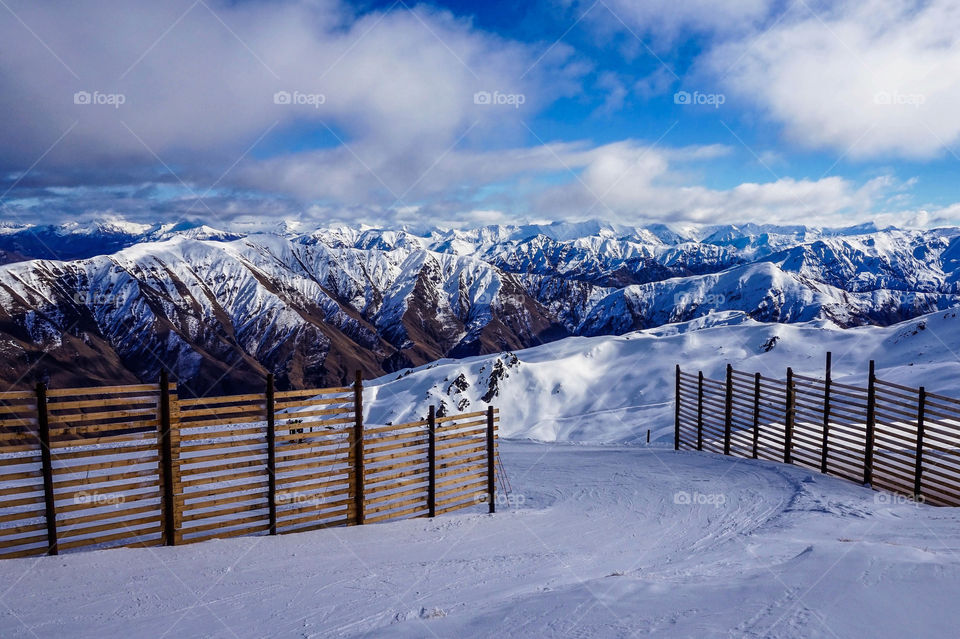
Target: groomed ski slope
{"type": "Point", "coordinates": [600, 547]}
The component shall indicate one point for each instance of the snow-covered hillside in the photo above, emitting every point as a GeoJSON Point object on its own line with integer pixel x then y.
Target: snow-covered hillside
{"type": "Point", "coordinates": [595, 542]}
{"type": "Point", "coordinates": [612, 389]}
{"type": "Point", "coordinates": [221, 309]}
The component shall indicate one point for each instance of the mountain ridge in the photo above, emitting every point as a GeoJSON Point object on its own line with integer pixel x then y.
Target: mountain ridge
{"type": "Point", "coordinates": [221, 310]}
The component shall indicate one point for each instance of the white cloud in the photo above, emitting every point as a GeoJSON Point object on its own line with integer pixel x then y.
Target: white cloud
{"type": "Point", "coordinates": [199, 81]}
{"type": "Point", "coordinates": [868, 79]}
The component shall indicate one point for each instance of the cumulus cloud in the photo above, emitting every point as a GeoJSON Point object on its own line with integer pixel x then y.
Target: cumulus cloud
{"type": "Point", "coordinates": [627, 181]}
{"type": "Point", "coordinates": [409, 114]}
{"type": "Point", "coordinates": [200, 78]}
{"type": "Point", "coordinates": [863, 78]}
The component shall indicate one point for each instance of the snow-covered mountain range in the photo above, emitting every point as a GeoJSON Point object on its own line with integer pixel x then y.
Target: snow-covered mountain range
{"type": "Point", "coordinates": [114, 302]}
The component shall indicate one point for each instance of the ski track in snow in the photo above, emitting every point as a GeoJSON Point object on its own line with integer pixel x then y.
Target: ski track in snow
{"type": "Point", "coordinates": [599, 548]}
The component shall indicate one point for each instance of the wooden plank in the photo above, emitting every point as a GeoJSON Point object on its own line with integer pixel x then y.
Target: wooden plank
{"type": "Point", "coordinates": [183, 498]}
{"type": "Point", "coordinates": [7, 396]}
{"type": "Point", "coordinates": [385, 429]}
{"type": "Point", "coordinates": [316, 437]}
{"type": "Point", "coordinates": [472, 433]}
{"type": "Point", "coordinates": [343, 462]}
{"type": "Point", "coordinates": [214, 435]}
{"type": "Point", "coordinates": [419, 441]}
{"type": "Point", "coordinates": [419, 452]}
{"type": "Point", "coordinates": [383, 489]}
{"type": "Point", "coordinates": [319, 448]}
{"type": "Point", "coordinates": [314, 391]}
{"type": "Point", "coordinates": [410, 435]}
{"type": "Point", "coordinates": [18, 554]}
{"type": "Point", "coordinates": [98, 541]}
{"type": "Point", "coordinates": [102, 390]}
{"type": "Point", "coordinates": [222, 399]}
{"type": "Point", "coordinates": [456, 506]}
{"type": "Point", "coordinates": [259, 409]}
{"type": "Point", "coordinates": [102, 403]}
{"type": "Point", "coordinates": [303, 403]}
{"type": "Point", "coordinates": [477, 486]}
{"type": "Point", "coordinates": [120, 463]}
{"type": "Point", "coordinates": [389, 480]}
{"type": "Point", "coordinates": [455, 427]}
{"type": "Point", "coordinates": [242, 532]}
{"type": "Point", "coordinates": [297, 526]}
{"type": "Point", "coordinates": [446, 451]}
{"type": "Point", "coordinates": [463, 479]}
{"type": "Point", "coordinates": [390, 438]}
{"type": "Point", "coordinates": [220, 468]}
{"type": "Point", "coordinates": [198, 515]}
{"type": "Point", "coordinates": [186, 423]}
{"type": "Point", "coordinates": [238, 454]}
{"type": "Point", "coordinates": [196, 448]}
{"type": "Point", "coordinates": [254, 519]}
{"type": "Point", "coordinates": [414, 510]}
{"type": "Point", "coordinates": [22, 541]}
{"type": "Point", "coordinates": [108, 515]}
{"type": "Point", "coordinates": [462, 493]}
{"type": "Point", "coordinates": [118, 488]}
{"type": "Point", "coordinates": [85, 503]}
{"type": "Point", "coordinates": [99, 441]}
{"type": "Point", "coordinates": [100, 452]}
{"type": "Point", "coordinates": [102, 479]}
{"type": "Point", "coordinates": [318, 509]}
{"type": "Point", "coordinates": [88, 530]}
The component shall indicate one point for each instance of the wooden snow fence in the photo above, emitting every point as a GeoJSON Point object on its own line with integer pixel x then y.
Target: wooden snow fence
{"type": "Point", "coordinates": [888, 436]}
{"type": "Point", "coordinates": [137, 466]}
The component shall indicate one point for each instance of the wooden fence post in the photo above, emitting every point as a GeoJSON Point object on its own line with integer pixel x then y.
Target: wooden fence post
{"type": "Point", "coordinates": [50, 507]}
{"type": "Point", "coordinates": [676, 414]}
{"type": "Point", "coordinates": [921, 417]}
{"type": "Point", "coordinates": [700, 411]}
{"type": "Point", "coordinates": [756, 414]}
{"type": "Point", "coordinates": [871, 425]}
{"type": "Point", "coordinates": [728, 411]}
{"type": "Point", "coordinates": [788, 422]}
{"type": "Point", "coordinates": [272, 453]}
{"type": "Point", "coordinates": [166, 458]}
{"type": "Point", "coordinates": [358, 446]}
{"type": "Point", "coordinates": [491, 467]}
{"type": "Point", "coordinates": [825, 446]}
{"type": "Point", "coordinates": [432, 461]}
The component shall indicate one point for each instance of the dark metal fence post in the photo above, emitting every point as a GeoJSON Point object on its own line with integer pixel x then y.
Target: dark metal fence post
{"type": "Point", "coordinates": [50, 507]}
{"type": "Point", "coordinates": [358, 445]}
{"type": "Point", "coordinates": [788, 422]}
{"type": "Point", "coordinates": [700, 411]}
{"type": "Point", "coordinates": [921, 417]}
{"type": "Point", "coordinates": [825, 445]}
{"type": "Point", "coordinates": [491, 467]}
{"type": "Point", "coordinates": [728, 411]}
{"type": "Point", "coordinates": [756, 414]}
{"type": "Point", "coordinates": [871, 425]}
{"type": "Point", "coordinates": [432, 461]}
{"type": "Point", "coordinates": [166, 457]}
{"type": "Point", "coordinates": [676, 414]}
{"type": "Point", "coordinates": [272, 453]}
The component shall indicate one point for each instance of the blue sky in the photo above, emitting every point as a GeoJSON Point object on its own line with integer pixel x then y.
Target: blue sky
{"type": "Point", "coordinates": [828, 113]}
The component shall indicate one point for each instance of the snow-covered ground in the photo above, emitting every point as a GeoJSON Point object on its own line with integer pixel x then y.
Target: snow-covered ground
{"type": "Point", "coordinates": [609, 541]}
{"type": "Point", "coordinates": [612, 389]}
